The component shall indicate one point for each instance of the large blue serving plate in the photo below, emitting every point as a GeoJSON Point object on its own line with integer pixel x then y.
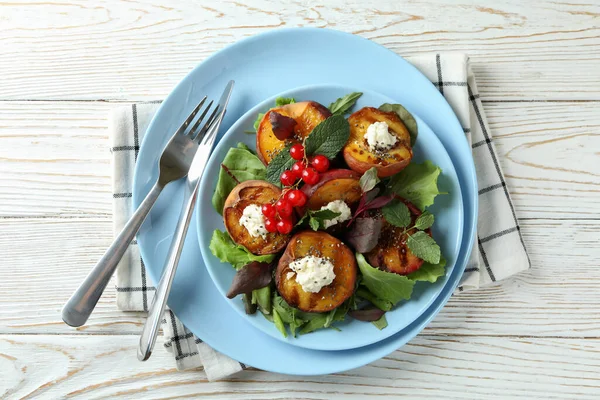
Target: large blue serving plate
{"type": "Point", "coordinates": [448, 228]}
{"type": "Point", "coordinates": [262, 67]}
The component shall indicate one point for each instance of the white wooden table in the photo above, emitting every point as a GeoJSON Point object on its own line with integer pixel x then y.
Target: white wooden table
{"type": "Point", "coordinates": [65, 64]}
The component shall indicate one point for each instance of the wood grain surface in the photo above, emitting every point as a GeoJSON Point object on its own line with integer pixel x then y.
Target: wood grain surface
{"type": "Point", "coordinates": [66, 63]}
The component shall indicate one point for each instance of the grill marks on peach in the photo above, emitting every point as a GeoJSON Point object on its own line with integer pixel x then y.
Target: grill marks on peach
{"type": "Point", "coordinates": [318, 244]}
{"type": "Point", "coordinates": [244, 194]}
{"type": "Point", "coordinates": [357, 153]}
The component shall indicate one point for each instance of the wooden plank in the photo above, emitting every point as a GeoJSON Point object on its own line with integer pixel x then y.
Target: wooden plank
{"type": "Point", "coordinates": [140, 50]}
{"type": "Point", "coordinates": [46, 258]}
{"type": "Point", "coordinates": [429, 367]}
{"type": "Point", "coordinates": [54, 158]}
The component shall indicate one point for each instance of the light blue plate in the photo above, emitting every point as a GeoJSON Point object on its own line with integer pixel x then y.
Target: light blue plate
{"type": "Point", "coordinates": [447, 230]}
{"type": "Point", "coordinates": [263, 66]}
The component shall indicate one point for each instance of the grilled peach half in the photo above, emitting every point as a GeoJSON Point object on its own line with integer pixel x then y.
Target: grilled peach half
{"type": "Point", "coordinates": [243, 195]}
{"type": "Point", "coordinates": [392, 253]}
{"type": "Point", "coordinates": [318, 244]}
{"type": "Point", "coordinates": [357, 153]}
{"type": "Point", "coordinates": [307, 114]}
{"type": "Point", "coordinates": [335, 184]}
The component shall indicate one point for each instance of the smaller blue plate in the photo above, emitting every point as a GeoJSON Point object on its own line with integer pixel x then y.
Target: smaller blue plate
{"type": "Point", "coordinates": [447, 230]}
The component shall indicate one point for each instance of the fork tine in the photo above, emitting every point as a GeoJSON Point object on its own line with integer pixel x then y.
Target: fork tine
{"type": "Point", "coordinates": [206, 125]}
{"type": "Point", "coordinates": [189, 119]}
{"type": "Point", "coordinates": [200, 118]}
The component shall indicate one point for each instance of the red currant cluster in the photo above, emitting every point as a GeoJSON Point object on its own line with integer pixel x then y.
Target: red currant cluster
{"type": "Point", "coordinates": [308, 174]}
{"type": "Point", "coordinates": [279, 216]}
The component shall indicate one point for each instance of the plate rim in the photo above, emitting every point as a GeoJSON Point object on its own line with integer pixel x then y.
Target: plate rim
{"type": "Point", "coordinates": [466, 171]}
{"type": "Point", "coordinates": [207, 184]}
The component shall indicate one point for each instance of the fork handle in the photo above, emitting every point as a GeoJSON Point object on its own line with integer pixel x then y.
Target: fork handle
{"type": "Point", "coordinates": [81, 304]}
{"type": "Point", "coordinates": [152, 325]}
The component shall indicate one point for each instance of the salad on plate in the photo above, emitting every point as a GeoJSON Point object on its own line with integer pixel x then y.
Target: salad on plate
{"type": "Point", "coordinates": [328, 219]}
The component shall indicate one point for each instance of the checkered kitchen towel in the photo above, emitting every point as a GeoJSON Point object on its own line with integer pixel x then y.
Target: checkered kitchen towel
{"type": "Point", "coordinates": [498, 252]}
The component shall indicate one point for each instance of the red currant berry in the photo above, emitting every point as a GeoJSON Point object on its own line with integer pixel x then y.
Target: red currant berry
{"type": "Point", "coordinates": [271, 225]}
{"type": "Point", "coordinates": [284, 226]}
{"type": "Point", "coordinates": [268, 210]}
{"type": "Point", "coordinates": [297, 168]}
{"type": "Point", "coordinates": [310, 176]}
{"type": "Point", "coordinates": [287, 178]}
{"type": "Point", "coordinates": [297, 151]}
{"type": "Point", "coordinates": [320, 163]}
{"type": "Point", "coordinates": [297, 198]}
{"type": "Point", "coordinates": [284, 208]}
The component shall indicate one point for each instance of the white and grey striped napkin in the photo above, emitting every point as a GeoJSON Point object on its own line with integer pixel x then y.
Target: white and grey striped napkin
{"type": "Point", "coordinates": [498, 251]}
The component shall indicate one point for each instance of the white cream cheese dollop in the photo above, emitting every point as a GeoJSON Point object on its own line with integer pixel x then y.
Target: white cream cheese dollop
{"type": "Point", "coordinates": [313, 273]}
{"type": "Point", "coordinates": [254, 221]}
{"type": "Point", "coordinates": [379, 137]}
{"type": "Point", "coordinates": [338, 206]}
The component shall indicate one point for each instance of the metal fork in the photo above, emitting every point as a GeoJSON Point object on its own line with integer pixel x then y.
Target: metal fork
{"type": "Point", "coordinates": [207, 139]}
{"type": "Point", "coordinates": [174, 164]}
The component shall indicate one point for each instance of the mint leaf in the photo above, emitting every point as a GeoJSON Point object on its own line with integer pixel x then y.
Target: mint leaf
{"type": "Point", "coordinates": [396, 213]}
{"type": "Point", "coordinates": [342, 105]}
{"type": "Point", "coordinates": [259, 118]}
{"type": "Point", "coordinates": [417, 183]}
{"type": "Point", "coordinates": [407, 119]}
{"type": "Point", "coordinates": [282, 101]}
{"type": "Point", "coordinates": [239, 165]}
{"type": "Point", "coordinates": [369, 180]}
{"type": "Point", "coordinates": [281, 162]}
{"type": "Point", "coordinates": [328, 138]}
{"type": "Point", "coordinates": [385, 285]}
{"type": "Point", "coordinates": [381, 323]}
{"type": "Point", "coordinates": [227, 251]}
{"type": "Point", "coordinates": [423, 246]}
{"type": "Point", "coordinates": [424, 221]}
{"type": "Point", "coordinates": [429, 272]}
{"type": "Point", "coordinates": [317, 218]}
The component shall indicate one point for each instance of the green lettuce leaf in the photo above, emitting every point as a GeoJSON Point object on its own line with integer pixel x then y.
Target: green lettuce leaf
{"type": "Point", "coordinates": [227, 251]}
{"type": "Point", "coordinates": [239, 164]}
{"type": "Point", "coordinates": [381, 322]}
{"type": "Point", "coordinates": [385, 285]}
{"type": "Point", "coordinates": [417, 183]}
{"type": "Point", "coordinates": [429, 272]}
{"type": "Point", "coordinates": [406, 117]}
{"type": "Point", "coordinates": [282, 101]}
{"type": "Point", "coordinates": [262, 298]}
{"type": "Point", "coordinates": [279, 323]}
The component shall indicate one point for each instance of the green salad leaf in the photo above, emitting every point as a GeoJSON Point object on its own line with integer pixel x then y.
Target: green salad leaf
{"type": "Point", "coordinates": [364, 293]}
{"type": "Point", "coordinates": [406, 117]}
{"type": "Point", "coordinates": [423, 246]}
{"type": "Point", "coordinates": [396, 213]}
{"type": "Point", "coordinates": [281, 162]}
{"type": "Point", "coordinates": [328, 138]}
{"type": "Point", "coordinates": [417, 183]}
{"type": "Point", "coordinates": [429, 272]}
{"type": "Point", "coordinates": [279, 323]}
{"type": "Point", "coordinates": [227, 251]}
{"type": "Point", "coordinates": [282, 101]}
{"type": "Point", "coordinates": [369, 180]}
{"type": "Point", "coordinates": [343, 105]}
{"type": "Point", "coordinates": [240, 164]}
{"type": "Point", "coordinates": [262, 298]}
{"type": "Point", "coordinates": [259, 118]}
{"type": "Point", "coordinates": [424, 221]}
{"type": "Point", "coordinates": [380, 323]}
{"type": "Point", "coordinates": [386, 285]}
